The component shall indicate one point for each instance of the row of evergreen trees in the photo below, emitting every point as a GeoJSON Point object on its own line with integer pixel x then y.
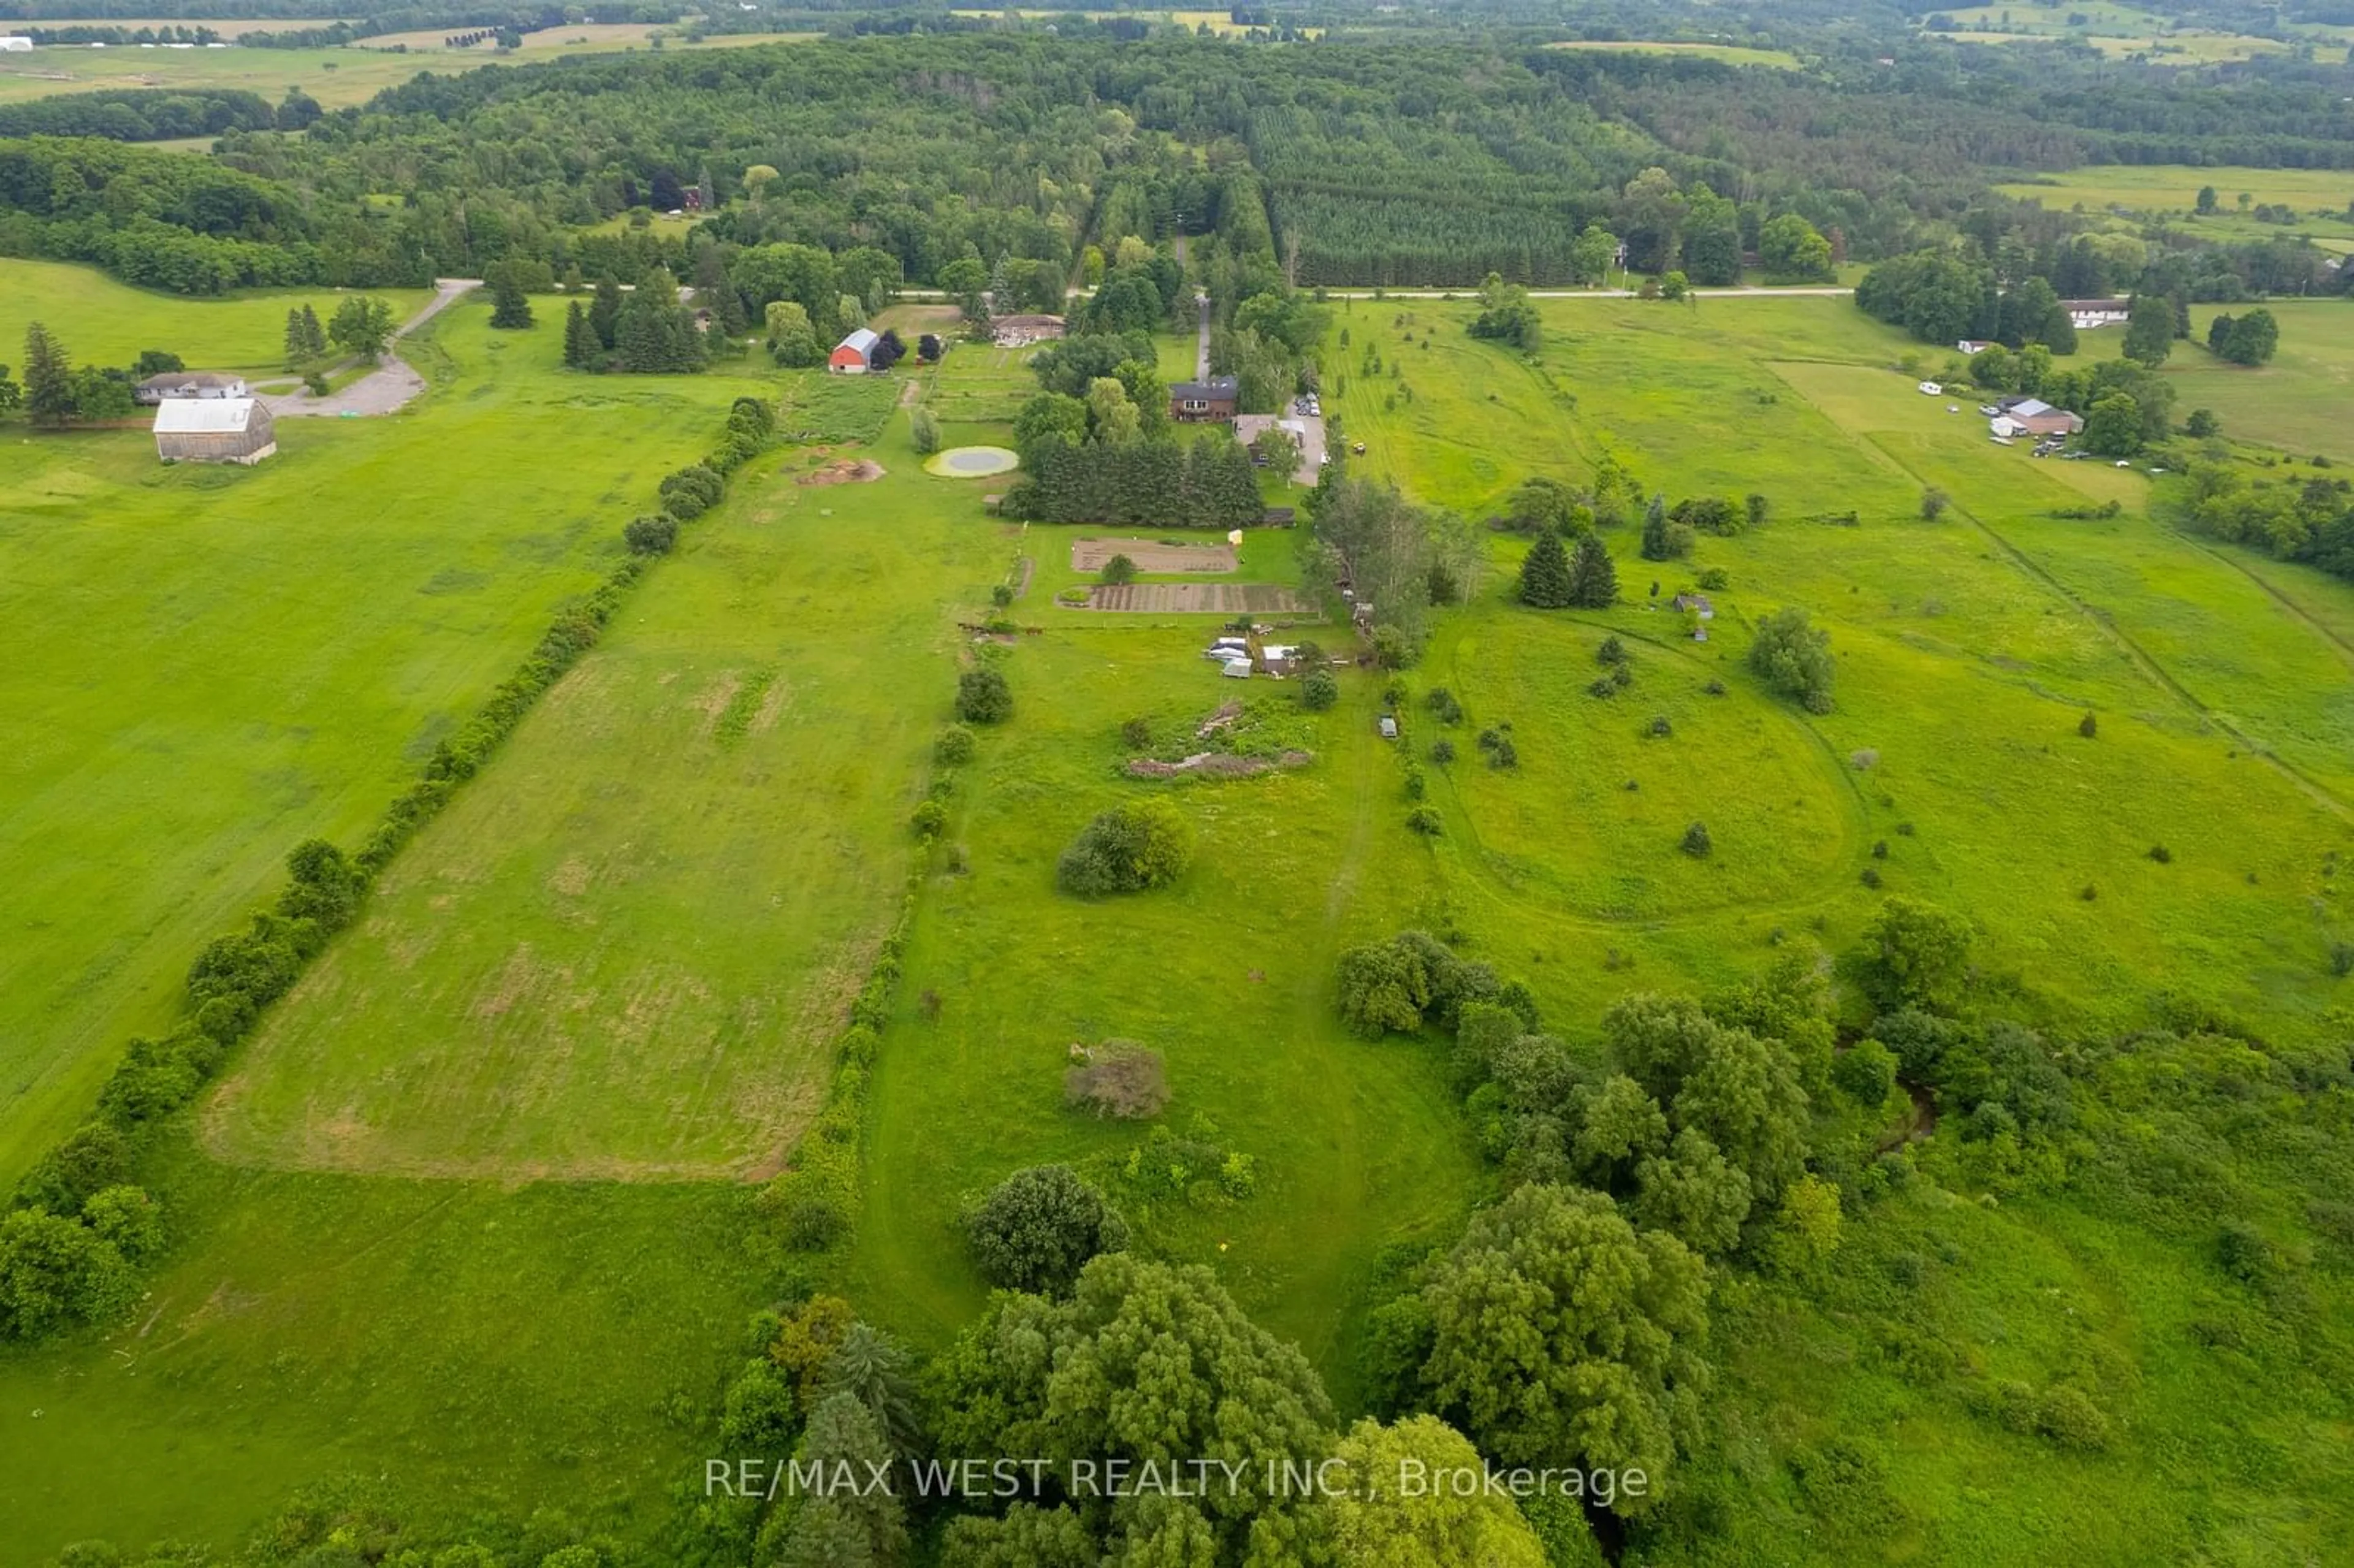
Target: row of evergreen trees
{"type": "Point", "coordinates": [1555, 576]}
{"type": "Point", "coordinates": [1209, 484]}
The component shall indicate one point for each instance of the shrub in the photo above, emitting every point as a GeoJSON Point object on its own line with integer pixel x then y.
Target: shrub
{"type": "Point", "coordinates": [2160, 854]}
{"type": "Point", "coordinates": [92, 1159]}
{"type": "Point", "coordinates": [1319, 691]}
{"type": "Point", "coordinates": [1426, 821]}
{"type": "Point", "coordinates": [55, 1271]}
{"type": "Point", "coordinates": [1442, 751]}
{"type": "Point", "coordinates": [1659, 728]}
{"type": "Point", "coordinates": [1140, 845]}
{"type": "Point", "coordinates": [984, 698]}
{"type": "Point", "coordinates": [924, 430]}
{"type": "Point", "coordinates": [1503, 754]}
{"type": "Point", "coordinates": [1795, 659]}
{"type": "Point", "coordinates": [1393, 648]}
{"type": "Point", "coordinates": [1443, 705]}
{"type": "Point", "coordinates": [1119, 1078]}
{"type": "Point", "coordinates": [1037, 1228]}
{"type": "Point", "coordinates": [686, 505]}
{"type": "Point", "coordinates": [1611, 652]}
{"type": "Point", "coordinates": [1119, 569]}
{"type": "Point", "coordinates": [1934, 502]}
{"type": "Point", "coordinates": [1697, 843]}
{"type": "Point", "coordinates": [930, 820]}
{"type": "Point", "coordinates": [1865, 1072]}
{"type": "Point", "coordinates": [812, 1221]}
{"type": "Point", "coordinates": [651, 535]}
{"type": "Point", "coordinates": [955, 744]}
{"type": "Point", "coordinates": [1713, 580]}
{"type": "Point", "coordinates": [1001, 595]}
{"type": "Point", "coordinates": [1136, 734]}
{"type": "Point", "coordinates": [2088, 727]}
{"type": "Point", "coordinates": [1417, 783]}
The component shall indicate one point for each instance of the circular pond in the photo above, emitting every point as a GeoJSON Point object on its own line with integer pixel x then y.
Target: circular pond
{"type": "Point", "coordinates": [972, 463]}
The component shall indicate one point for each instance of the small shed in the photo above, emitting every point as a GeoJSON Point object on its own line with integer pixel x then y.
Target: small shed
{"type": "Point", "coordinates": [1694, 604]}
{"type": "Point", "coordinates": [853, 355]}
{"type": "Point", "coordinates": [214, 430]}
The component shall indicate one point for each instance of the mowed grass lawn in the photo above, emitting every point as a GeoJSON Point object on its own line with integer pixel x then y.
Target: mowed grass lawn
{"type": "Point", "coordinates": [101, 322]}
{"type": "Point", "coordinates": [627, 949]}
{"type": "Point", "coordinates": [202, 666]}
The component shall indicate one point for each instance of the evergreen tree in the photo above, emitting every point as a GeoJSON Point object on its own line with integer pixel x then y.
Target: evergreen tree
{"type": "Point", "coordinates": [48, 378]}
{"type": "Point", "coordinates": [1544, 575]}
{"type": "Point", "coordinates": [1593, 576]}
{"type": "Point", "coordinates": [580, 347]}
{"type": "Point", "coordinates": [314, 334]}
{"type": "Point", "coordinates": [510, 307]}
{"type": "Point", "coordinates": [298, 341]}
{"type": "Point", "coordinates": [605, 314]}
{"type": "Point", "coordinates": [1658, 541]}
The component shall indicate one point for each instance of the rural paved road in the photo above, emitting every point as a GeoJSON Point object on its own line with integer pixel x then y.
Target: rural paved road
{"type": "Point", "coordinates": [1816, 291]}
{"type": "Point", "coordinates": [389, 387]}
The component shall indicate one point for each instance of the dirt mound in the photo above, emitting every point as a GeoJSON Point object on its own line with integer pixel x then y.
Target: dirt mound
{"type": "Point", "coordinates": [847, 471]}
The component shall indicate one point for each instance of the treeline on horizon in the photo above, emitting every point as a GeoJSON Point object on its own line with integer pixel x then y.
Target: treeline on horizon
{"type": "Point", "coordinates": [1435, 164]}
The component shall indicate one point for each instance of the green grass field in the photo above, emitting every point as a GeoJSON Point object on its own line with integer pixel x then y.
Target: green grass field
{"type": "Point", "coordinates": [770, 683]}
{"type": "Point", "coordinates": [279, 650]}
{"type": "Point", "coordinates": [101, 322]}
{"type": "Point", "coordinates": [468, 1211]}
{"type": "Point", "coordinates": [338, 78]}
{"type": "Point", "coordinates": [2162, 188]}
{"type": "Point", "coordinates": [2295, 401]}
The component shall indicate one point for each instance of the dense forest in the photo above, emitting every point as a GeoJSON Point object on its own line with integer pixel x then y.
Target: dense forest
{"type": "Point", "coordinates": [1382, 161]}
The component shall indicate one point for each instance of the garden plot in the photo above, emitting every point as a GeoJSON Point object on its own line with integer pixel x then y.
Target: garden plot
{"type": "Point", "coordinates": [1153, 556]}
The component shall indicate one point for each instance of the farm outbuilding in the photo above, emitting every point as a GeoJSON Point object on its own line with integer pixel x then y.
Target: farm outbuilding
{"type": "Point", "coordinates": [214, 430]}
{"type": "Point", "coordinates": [2034, 417]}
{"type": "Point", "coordinates": [853, 355]}
{"type": "Point", "coordinates": [173, 383]}
{"type": "Point", "coordinates": [14, 46]}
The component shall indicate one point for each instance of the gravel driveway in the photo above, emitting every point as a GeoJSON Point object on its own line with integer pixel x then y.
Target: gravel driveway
{"type": "Point", "coordinates": [387, 388]}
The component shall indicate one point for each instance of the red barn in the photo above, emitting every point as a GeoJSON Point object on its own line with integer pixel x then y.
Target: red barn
{"type": "Point", "coordinates": [853, 355]}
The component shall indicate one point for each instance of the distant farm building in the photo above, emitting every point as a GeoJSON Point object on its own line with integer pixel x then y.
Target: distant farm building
{"type": "Point", "coordinates": [2087, 314]}
{"type": "Point", "coordinates": [1021, 332]}
{"type": "Point", "coordinates": [1694, 604]}
{"type": "Point", "coordinates": [15, 46]}
{"type": "Point", "coordinates": [1204, 402]}
{"type": "Point", "coordinates": [853, 355]}
{"type": "Point", "coordinates": [1974, 346]}
{"type": "Point", "coordinates": [214, 430]}
{"type": "Point", "coordinates": [2033, 416]}
{"type": "Point", "coordinates": [203, 384]}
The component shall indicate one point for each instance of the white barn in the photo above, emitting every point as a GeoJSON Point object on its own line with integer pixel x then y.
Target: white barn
{"type": "Point", "coordinates": [214, 430]}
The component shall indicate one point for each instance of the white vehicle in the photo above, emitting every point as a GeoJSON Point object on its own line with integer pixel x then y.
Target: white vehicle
{"type": "Point", "coordinates": [1932, 389]}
